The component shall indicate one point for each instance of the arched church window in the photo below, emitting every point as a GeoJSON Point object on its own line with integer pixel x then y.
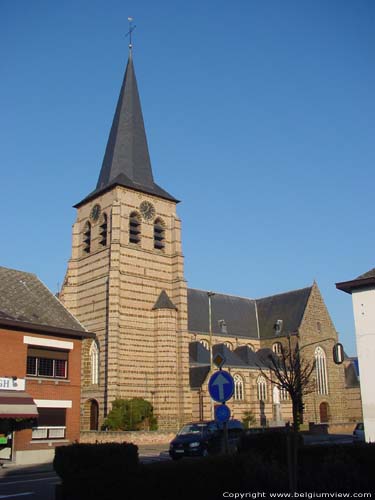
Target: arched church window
{"type": "Point", "coordinates": [321, 371]}
{"type": "Point", "coordinates": [159, 234]}
{"type": "Point", "coordinates": [277, 348]}
{"type": "Point", "coordinates": [238, 388]}
{"type": "Point", "coordinates": [87, 238]}
{"type": "Point", "coordinates": [94, 363]}
{"type": "Point", "coordinates": [205, 344]}
{"type": "Point", "coordinates": [134, 228]}
{"type": "Point", "coordinates": [103, 230]}
{"type": "Point", "coordinates": [261, 388]}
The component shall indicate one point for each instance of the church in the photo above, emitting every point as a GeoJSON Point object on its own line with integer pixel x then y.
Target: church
{"type": "Point", "coordinates": [125, 282]}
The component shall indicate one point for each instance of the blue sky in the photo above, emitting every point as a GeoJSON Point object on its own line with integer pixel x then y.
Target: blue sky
{"type": "Point", "coordinates": [259, 116]}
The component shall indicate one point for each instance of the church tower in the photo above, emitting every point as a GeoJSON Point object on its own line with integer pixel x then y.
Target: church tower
{"type": "Point", "coordinates": [125, 279]}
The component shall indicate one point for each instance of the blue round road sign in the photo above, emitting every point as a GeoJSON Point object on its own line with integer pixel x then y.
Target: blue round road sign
{"type": "Point", "coordinates": [222, 413]}
{"type": "Point", "coordinates": [221, 386]}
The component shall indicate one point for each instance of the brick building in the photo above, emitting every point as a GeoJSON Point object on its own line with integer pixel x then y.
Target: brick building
{"type": "Point", "coordinates": [40, 369]}
{"type": "Point", "coordinates": [125, 281]}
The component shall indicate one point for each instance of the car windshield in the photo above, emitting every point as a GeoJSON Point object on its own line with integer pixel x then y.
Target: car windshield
{"type": "Point", "coordinates": [193, 429]}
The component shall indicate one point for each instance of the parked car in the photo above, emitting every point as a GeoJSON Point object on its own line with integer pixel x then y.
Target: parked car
{"type": "Point", "coordinates": [359, 433]}
{"type": "Point", "coordinates": [204, 438]}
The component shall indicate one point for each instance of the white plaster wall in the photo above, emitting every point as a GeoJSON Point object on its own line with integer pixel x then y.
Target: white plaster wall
{"type": "Point", "coordinates": [364, 319]}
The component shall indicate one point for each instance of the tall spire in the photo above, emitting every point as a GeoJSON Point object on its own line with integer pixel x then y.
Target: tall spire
{"type": "Point", "coordinates": [126, 160]}
{"type": "Point", "coordinates": [127, 150]}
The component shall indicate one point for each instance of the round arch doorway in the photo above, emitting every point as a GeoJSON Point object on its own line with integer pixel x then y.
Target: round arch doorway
{"type": "Point", "coordinates": [324, 412]}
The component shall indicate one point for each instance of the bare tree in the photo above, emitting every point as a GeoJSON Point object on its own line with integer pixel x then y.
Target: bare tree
{"type": "Point", "coordinates": [292, 373]}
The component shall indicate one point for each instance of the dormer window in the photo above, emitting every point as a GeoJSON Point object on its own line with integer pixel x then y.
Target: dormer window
{"type": "Point", "coordinates": [103, 230]}
{"type": "Point", "coordinates": [134, 228]}
{"type": "Point", "coordinates": [87, 238]}
{"type": "Point", "coordinates": [159, 234]}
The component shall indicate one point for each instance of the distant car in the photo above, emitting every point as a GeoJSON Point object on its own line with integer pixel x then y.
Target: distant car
{"type": "Point", "coordinates": [359, 433]}
{"type": "Point", "coordinates": [199, 439]}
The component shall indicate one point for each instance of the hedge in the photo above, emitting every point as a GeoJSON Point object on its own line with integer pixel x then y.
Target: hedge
{"type": "Point", "coordinates": [330, 468]}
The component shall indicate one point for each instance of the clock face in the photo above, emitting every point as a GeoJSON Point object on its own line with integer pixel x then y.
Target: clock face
{"type": "Point", "coordinates": [95, 212]}
{"type": "Point", "coordinates": [147, 210]}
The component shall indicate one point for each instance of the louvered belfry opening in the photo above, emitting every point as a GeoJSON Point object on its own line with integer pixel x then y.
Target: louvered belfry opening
{"type": "Point", "coordinates": [103, 230]}
{"type": "Point", "coordinates": [87, 238]}
{"type": "Point", "coordinates": [134, 228]}
{"type": "Point", "coordinates": [159, 234]}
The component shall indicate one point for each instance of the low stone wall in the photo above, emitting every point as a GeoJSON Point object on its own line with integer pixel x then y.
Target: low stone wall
{"type": "Point", "coordinates": [342, 428]}
{"type": "Point", "coordinates": [136, 437]}
{"type": "Point", "coordinates": [332, 428]}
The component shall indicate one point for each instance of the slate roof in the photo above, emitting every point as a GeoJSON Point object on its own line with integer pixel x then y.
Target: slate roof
{"type": "Point", "coordinates": [369, 274]}
{"type": "Point", "coordinates": [365, 280]}
{"type": "Point", "coordinates": [126, 160]}
{"type": "Point", "coordinates": [198, 375]}
{"type": "Point", "coordinates": [239, 314]}
{"type": "Point", "coordinates": [24, 298]}
{"type": "Point", "coordinates": [249, 357]}
{"type": "Point", "coordinates": [164, 302]}
{"type": "Point", "coordinates": [289, 307]}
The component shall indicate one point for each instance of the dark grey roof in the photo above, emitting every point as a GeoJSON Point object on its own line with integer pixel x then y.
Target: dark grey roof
{"type": "Point", "coordinates": [238, 313]}
{"type": "Point", "coordinates": [164, 302]}
{"type": "Point", "coordinates": [249, 357]}
{"type": "Point", "coordinates": [369, 274]}
{"type": "Point", "coordinates": [198, 353]}
{"type": "Point", "coordinates": [264, 356]}
{"type": "Point", "coordinates": [288, 306]}
{"type": "Point", "coordinates": [351, 376]}
{"type": "Point", "coordinates": [231, 359]}
{"type": "Point", "coordinates": [198, 375]}
{"type": "Point", "coordinates": [24, 298]}
{"type": "Point", "coordinates": [126, 160]}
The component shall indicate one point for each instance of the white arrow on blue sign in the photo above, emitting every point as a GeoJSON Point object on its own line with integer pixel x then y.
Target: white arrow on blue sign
{"type": "Point", "coordinates": [221, 386]}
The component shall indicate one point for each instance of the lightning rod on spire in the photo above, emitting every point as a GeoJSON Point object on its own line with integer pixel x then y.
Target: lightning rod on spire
{"type": "Point", "coordinates": [131, 29]}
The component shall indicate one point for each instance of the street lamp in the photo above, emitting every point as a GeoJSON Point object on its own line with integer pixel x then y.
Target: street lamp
{"type": "Point", "coordinates": [210, 295]}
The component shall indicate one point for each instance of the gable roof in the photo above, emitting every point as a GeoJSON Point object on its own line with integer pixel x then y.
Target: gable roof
{"type": "Point", "coordinates": [289, 307]}
{"type": "Point", "coordinates": [238, 313]}
{"type": "Point", "coordinates": [24, 299]}
{"type": "Point", "coordinates": [365, 280]}
{"type": "Point", "coordinates": [126, 160]}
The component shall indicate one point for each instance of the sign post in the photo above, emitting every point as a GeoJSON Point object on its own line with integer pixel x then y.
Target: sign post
{"type": "Point", "coordinates": [221, 388]}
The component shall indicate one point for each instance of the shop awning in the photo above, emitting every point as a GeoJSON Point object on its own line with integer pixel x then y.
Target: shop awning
{"type": "Point", "coordinates": [17, 404]}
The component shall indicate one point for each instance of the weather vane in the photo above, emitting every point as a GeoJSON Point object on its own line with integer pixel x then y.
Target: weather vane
{"type": "Point", "coordinates": [131, 29]}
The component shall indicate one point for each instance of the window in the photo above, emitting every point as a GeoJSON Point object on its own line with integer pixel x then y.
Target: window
{"type": "Point", "coordinates": [319, 326]}
{"type": "Point", "coordinates": [46, 363]}
{"type": "Point", "coordinates": [134, 228]}
{"type": "Point", "coordinates": [277, 348]}
{"type": "Point", "coordinates": [229, 345]}
{"type": "Point", "coordinates": [159, 234]}
{"type": "Point", "coordinates": [51, 424]}
{"type": "Point", "coordinates": [321, 371]}
{"type": "Point", "coordinates": [103, 230]}
{"type": "Point", "coordinates": [94, 361]}
{"type": "Point", "coordinates": [205, 344]}
{"type": "Point", "coordinates": [87, 238]}
{"type": "Point", "coordinates": [238, 388]}
{"type": "Point", "coordinates": [284, 395]}
{"type": "Point", "coordinates": [262, 388]}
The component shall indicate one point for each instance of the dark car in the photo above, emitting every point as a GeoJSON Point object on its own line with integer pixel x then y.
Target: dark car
{"type": "Point", "coordinates": [199, 439]}
{"type": "Point", "coordinates": [359, 433]}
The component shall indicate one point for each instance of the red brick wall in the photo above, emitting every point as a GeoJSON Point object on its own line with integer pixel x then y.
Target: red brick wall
{"type": "Point", "coordinates": [13, 363]}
